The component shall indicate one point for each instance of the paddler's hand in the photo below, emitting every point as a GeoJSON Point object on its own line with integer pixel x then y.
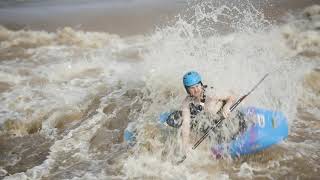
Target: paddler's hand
{"type": "Point", "coordinates": [185, 154]}
{"type": "Point", "coordinates": [181, 159]}
{"type": "Point", "coordinates": [225, 112]}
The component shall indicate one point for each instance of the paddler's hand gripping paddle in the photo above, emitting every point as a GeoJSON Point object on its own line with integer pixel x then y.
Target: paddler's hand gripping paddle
{"type": "Point", "coordinates": [231, 109]}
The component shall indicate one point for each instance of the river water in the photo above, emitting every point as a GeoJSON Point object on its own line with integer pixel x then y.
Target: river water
{"type": "Point", "coordinates": [73, 75]}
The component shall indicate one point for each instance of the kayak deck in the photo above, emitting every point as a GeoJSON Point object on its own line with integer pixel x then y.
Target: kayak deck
{"type": "Point", "coordinates": [269, 128]}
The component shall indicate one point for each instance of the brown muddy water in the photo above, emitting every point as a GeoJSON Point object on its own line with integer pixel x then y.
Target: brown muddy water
{"type": "Point", "coordinates": [74, 75]}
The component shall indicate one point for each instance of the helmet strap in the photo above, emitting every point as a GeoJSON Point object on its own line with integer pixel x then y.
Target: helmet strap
{"type": "Point", "coordinates": [203, 99]}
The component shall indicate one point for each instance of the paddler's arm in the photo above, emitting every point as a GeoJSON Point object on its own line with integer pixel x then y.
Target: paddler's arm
{"type": "Point", "coordinates": [229, 101]}
{"type": "Point", "coordinates": [185, 128]}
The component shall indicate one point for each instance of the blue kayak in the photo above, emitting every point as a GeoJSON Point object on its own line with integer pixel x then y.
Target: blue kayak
{"type": "Point", "coordinates": [268, 128]}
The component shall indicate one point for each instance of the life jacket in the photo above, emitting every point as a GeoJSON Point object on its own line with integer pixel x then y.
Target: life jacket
{"type": "Point", "coordinates": [195, 109]}
{"type": "Point", "coordinates": [175, 120]}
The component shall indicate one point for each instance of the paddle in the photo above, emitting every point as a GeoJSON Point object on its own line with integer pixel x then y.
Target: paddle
{"type": "Point", "coordinates": [231, 109]}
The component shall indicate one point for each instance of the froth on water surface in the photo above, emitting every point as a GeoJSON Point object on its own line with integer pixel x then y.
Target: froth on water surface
{"type": "Point", "coordinates": [19, 154]}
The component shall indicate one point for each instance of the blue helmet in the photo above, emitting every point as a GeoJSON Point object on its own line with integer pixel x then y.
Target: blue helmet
{"type": "Point", "coordinates": [191, 78]}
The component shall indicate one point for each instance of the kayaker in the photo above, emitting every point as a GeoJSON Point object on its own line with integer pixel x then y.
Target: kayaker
{"type": "Point", "coordinates": [197, 102]}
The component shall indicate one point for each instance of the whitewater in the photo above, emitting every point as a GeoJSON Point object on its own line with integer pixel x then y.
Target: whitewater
{"type": "Point", "coordinates": [67, 94]}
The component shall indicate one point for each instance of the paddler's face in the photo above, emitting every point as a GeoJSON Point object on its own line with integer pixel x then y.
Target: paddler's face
{"type": "Point", "coordinates": [195, 91]}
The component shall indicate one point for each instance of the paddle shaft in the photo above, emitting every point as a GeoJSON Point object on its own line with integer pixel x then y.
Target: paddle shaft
{"type": "Point", "coordinates": [231, 109]}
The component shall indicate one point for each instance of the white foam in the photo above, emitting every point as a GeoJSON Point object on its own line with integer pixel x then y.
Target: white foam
{"type": "Point", "coordinates": [245, 171]}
